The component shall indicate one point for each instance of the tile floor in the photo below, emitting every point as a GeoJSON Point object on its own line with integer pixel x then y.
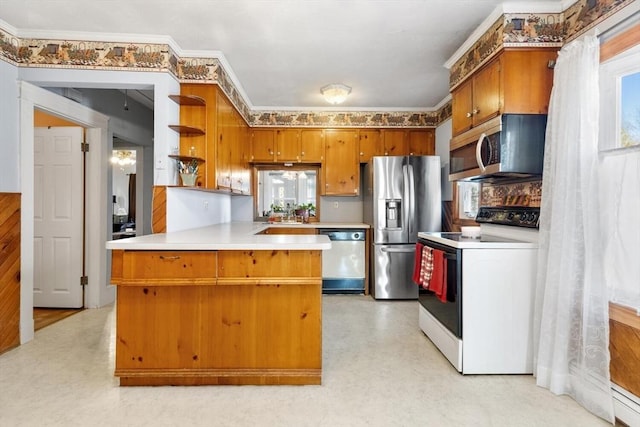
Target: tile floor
{"type": "Point", "coordinates": [379, 370]}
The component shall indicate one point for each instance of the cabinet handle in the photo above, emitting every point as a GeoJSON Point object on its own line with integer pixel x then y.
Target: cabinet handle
{"type": "Point", "coordinates": [476, 111]}
{"type": "Point", "coordinates": [169, 258]}
{"type": "Point", "coordinates": [469, 115]}
{"type": "Point", "coordinates": [278, 153]}
{"type": "Point", "coordinates": [302, 154]}
{"type": "Point", "coordinates": [361, 153]}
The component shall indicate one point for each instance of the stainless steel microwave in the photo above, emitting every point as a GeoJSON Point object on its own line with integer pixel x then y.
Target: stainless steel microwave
{"type": "Point", "coordinates": [508, 146]}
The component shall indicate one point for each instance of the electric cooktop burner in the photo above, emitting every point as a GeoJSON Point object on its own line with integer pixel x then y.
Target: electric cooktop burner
{"type": "Point", "coordinates": [510, 215]}
{"type": "Point", "coordinates": [484, 238]}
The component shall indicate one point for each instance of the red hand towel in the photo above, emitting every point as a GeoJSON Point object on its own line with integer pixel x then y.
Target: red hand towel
{"type": "Point", "coordinates": [438, 282]}
{"type": "Point", "coordinates": [417, 264]}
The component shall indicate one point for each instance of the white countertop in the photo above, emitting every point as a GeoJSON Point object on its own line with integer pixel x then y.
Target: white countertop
{"type": "Point", "coordinates": [232, 236]}
{"type": "Point", "coordinates": [354, 225]}
{"type": "Point", "coordinates": [486, 241]}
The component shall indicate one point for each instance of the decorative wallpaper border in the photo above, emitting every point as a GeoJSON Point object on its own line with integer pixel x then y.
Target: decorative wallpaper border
{"type": "Point", "coordinates": [540, 30]}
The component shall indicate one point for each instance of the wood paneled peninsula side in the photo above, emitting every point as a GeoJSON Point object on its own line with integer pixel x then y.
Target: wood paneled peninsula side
{"type": "Point", "coordinates": [218, 305]}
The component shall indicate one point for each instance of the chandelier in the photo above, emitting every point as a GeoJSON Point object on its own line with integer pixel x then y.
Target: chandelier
{"type": "Point", "coordinates": [123, 158]}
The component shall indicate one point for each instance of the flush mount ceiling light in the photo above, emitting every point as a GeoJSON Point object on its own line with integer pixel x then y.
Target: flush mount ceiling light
{"type": "Point", "coordinates": [335, 93]}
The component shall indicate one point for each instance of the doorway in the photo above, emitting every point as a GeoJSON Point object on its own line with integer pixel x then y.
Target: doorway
{"type": "Point", "coordinates": [98, 293]}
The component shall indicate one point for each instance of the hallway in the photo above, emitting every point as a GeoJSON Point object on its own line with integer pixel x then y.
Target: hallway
{"type": "Point", "coordinates": [379, 370]}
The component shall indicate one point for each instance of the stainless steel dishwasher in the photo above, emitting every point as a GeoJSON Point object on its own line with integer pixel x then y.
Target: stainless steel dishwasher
{"type": "Point", "coordinates": [343, 266]}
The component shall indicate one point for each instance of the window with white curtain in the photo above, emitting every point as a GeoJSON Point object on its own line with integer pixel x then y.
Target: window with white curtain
{"type": "Point", "coordinates": [619, 142]}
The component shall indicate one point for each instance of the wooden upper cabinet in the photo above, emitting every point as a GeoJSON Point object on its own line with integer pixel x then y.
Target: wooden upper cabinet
{"type": "Point", "coordinates": [486, 93]}
{"type": "Point", "coordinates": [395, 142]}
{"type": "Point", "coordinates": [263, 143]}
{"type": "Point", "coordinates": [370, 145]}
{"type": "Point", "coordinates": [422, 142]}
{"type": "Point", "coordinates": [341, 168]}
{"type": "Point", "coordinates": [517, 81]}
{"type": "Point", "coordinates": [527, 80]}
{"type": "Point", "coordinates": [311, 145]}
{"type": "Point", "coordinates": [461, 107]}
{"type": "Point", "coordinates": [478, 99]}
{"type": "Point", "coordinates": [287, 145]}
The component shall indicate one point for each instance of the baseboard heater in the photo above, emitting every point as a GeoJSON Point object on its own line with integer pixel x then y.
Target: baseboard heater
{"type": "Point", "coordinates": [626, 406]}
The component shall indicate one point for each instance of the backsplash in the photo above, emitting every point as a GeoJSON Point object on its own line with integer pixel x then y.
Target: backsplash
{"type": "Point", "coordinates": [516, 194]}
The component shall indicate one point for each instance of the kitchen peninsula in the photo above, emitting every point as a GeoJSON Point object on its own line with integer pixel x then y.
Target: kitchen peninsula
{"type": "Point", "coordinates": [222, 304]}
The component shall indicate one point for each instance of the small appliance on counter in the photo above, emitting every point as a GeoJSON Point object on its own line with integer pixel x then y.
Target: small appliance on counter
{"type": "Point", "coordinates": [401, 197]}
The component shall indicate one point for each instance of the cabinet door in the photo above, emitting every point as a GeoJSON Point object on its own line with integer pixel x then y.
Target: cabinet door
{"type": "Point", "coordinates": [311, 144]}
{"type": "Point", "coordinates": [238, 156]}
{"type": "Point", "coordinates": [341, 167]}
{"type": "Point", "coordinates": [225, 144]}
{"type": "Point", "coordinates": [287, 145]}
{"type": "Point", "coordinates": [422, 142]}
{"type": "Point", "coordinates": [395, 142]}
{"type": "Point", "coordinates": [263, 145]}
{"type": "Point", "coordinates": [370, 145]}
{"type": "Point", "coordinates": [461, 107]}
{"type": "Point", "coordinates": [486, 93]}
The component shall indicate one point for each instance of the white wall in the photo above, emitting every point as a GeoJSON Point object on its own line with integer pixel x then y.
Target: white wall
{"type": "Point", "coordinates": [348, 209]}
{"type": "Point", "coordinates": [192, 208]}
{"type": "Point", "coordinates": [443, 136]}
{"type": "Point", "coordinates": [166, 112]}
{"type": "Point", "coordinates": [9, 143]}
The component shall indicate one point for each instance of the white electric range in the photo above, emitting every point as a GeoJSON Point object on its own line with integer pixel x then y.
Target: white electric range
{"type": "Point", "coordinates": [486, 324]}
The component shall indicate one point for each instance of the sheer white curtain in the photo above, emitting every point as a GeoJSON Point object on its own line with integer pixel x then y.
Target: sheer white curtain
{"type": "Point", "coordinates": [571, 332]}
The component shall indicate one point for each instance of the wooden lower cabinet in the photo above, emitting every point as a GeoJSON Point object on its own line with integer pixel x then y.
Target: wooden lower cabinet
{"type": "Point", "coordinates": [258, 322]}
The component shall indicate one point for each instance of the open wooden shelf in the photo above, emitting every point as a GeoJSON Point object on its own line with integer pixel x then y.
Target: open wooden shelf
{"type": "Point", "coordinates": [187, 130]}
{"type": "Point", "coordinates": [188, 100]}
{"type": "Point", "coordinates": [185, 158]}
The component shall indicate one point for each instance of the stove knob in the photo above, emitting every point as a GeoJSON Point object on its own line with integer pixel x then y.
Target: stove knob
{"type": "Point", "coordinates": [511, 216]}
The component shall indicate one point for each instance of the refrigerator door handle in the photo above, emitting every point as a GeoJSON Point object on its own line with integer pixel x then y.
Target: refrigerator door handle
{"type": "Point", "coordinates": [406, 196]}
{"type": "Point", "coordinates": [412, 204]}
{"type": "Point", "coordinates": [397, 250]}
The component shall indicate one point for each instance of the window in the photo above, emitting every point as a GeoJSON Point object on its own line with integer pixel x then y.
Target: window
{"type": "Point", "coordinates": [468, 199]}
{"type": "Point", "coordinates": [282, 190]}
{"type": "Point", "coordinates": [620, 102]}
{"type": "Point", "coordinates": [630, 110]}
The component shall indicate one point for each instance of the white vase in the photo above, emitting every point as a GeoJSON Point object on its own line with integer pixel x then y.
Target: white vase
{"type": "Point", "coordinates": [189, 179]}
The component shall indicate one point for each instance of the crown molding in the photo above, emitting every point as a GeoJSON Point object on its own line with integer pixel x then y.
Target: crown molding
{"type": "Point", "coordinates": [8, 27]}
{"type": "Point", "coordinates": [444, 102]}
{"type": "Point", "coordinates": [501, 9]}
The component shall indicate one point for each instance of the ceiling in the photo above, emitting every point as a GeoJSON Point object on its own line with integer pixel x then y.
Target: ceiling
{"type": "Point", "coordinates": [391, 52]}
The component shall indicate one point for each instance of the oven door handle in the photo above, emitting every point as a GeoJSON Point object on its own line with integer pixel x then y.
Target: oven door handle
{"type": "Point", "coordinates": [396, 250]}
{"type": "Point", "coordinates": [479, 152]}
{"type": "Point", "coordinates": [451, 257]}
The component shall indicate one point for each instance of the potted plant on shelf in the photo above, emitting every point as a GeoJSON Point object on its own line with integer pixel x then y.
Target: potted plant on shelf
{"type": "Point", "coordinates": [275, 215]}
{"type": "Point", "coordinates": [306, 211]}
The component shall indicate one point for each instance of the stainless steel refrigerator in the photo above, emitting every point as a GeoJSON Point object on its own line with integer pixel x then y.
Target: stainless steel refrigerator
{"type": "Point", "coordinates": [402, 196]}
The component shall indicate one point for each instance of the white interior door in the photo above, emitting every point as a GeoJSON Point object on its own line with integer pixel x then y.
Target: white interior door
{"type": "Point", "coordinates": [58, 217]}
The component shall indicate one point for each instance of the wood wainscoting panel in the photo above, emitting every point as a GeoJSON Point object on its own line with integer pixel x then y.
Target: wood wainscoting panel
{"type": "Point", "coordinates": [624, 346]}
{"type": "Point", "coordinates": [9, 271]}
{"type": "Point", "coordinates": [159, 209]}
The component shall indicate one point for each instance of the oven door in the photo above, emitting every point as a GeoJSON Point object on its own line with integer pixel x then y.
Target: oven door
{"type": "Point", "coordinates": [449, 313]}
